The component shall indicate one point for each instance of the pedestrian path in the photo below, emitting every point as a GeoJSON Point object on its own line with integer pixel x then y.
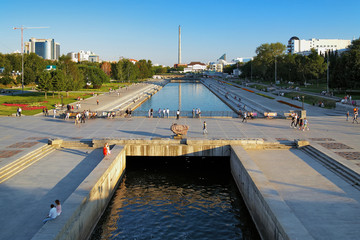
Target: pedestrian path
{"type": "Point", "coordinates": [56, 176]}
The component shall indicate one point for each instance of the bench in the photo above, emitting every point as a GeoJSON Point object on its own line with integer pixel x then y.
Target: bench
{"type": "Point", "coordinates": [270, 114]}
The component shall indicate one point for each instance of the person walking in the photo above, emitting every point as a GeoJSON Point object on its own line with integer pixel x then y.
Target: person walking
{"type": "Point", "coordinates": [54, 112]}
{"type": "Point", "coordinates": [177, 114]}
{"type": "Point", "coordinates": [292, 120]}
{"type": "Point", "coordinates": [19, 111]}
{"type": "Point", "coordinates": [347, 116]}
{"type": "Point", "coordinates": [164, 112]}
{"type": "Point", "coordinates": [244, 117]}
{"type": "Point", "coordinates": [97, 102]}
{"type": "Point", "coordinates": [297, 120]}
{"type": "Point", "coordinates": [205, 128]}
{"type": "Point", "coordinates": [356, 114]}
{"type": "Point", "coordinates": [167, 112]}
{"type": "Point", "coordinates": [151, 112]}
{"type": "Point", "coordinates": [306, 125]}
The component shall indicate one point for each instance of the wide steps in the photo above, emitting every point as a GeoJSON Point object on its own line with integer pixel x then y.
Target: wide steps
{"type": "Point", "coordinates": [24, 162]}
{"type": "Point", "coordinates": [76, 144]}
{"type": "Point", "coordinates": [344, 172]}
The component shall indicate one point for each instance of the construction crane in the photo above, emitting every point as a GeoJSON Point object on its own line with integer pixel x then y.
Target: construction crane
{"type": "Point", "coordinates": [22, 52]}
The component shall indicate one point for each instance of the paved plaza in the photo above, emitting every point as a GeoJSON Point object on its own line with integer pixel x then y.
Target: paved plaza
{"type": "Point", "coordinates": [25, 197]}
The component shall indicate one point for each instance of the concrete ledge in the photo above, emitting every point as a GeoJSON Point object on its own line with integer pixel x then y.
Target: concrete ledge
{"type": "Point", "coordinates": [301, 143]}
{"type": "Point", "coordinates": [85, 206]}
{"type": "Point", "coordinates": [271, 215]}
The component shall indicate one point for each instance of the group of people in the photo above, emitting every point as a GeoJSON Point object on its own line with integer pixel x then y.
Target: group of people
{"type": "Point", "coordinates": [299, 123]}
{"type": "Point", "coordinates": [55, 211]}
{"type": "Point", "coordinates": [162, 113]}
{"type": "Point", "coordinates": [348, 100]}
{"type": "Point", "coordinates": [196, 113]}
{"type": "Point", "coordinates": [245, 115]}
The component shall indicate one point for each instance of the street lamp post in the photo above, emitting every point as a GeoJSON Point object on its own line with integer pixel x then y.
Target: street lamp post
{"type": "Point", "coordinates": [302, 102]}
{"type": "Point", "coordinates": [327, 74]}
{"type": "Point", "coordinates": [275, 71]}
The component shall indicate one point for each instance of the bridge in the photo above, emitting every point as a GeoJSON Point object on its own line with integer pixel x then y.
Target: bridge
{"type": "Point", "coordinates": [296, 184]}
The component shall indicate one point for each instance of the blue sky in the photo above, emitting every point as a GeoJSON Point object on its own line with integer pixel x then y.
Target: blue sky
{"type": "Point", "coordinates": [148, 29]}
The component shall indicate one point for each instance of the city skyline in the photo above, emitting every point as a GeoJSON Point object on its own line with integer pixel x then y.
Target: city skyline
{"type": "Point", "coordinates": [149, 30]}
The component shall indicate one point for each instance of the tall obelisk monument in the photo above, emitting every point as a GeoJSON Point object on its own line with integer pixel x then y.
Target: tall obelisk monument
{"type": "Point", "coordinates": [179, 54]}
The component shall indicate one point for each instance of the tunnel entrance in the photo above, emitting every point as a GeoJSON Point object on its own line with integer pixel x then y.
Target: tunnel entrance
{"type": "Point", "coordinates": [176, 198]}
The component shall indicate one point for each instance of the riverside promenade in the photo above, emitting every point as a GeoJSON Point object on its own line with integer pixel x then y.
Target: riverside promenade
{"type": "Point", "coordinates": [325, 205]}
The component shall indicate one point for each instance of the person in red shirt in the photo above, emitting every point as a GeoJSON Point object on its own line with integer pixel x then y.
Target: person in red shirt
{"type": "Point", "coordinates": [106, 150]}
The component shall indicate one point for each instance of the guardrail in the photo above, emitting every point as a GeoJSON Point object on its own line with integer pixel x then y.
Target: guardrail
{"type": "Point", "coordinates": [138, 113]}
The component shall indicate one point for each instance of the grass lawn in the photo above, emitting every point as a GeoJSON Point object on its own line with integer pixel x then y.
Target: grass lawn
{"type": "Point", "coordinates": [113, 85]}
{"type": "Point", "coordinates": [36, 100]}
{"type": "Point", "coordinates": [312, 99]}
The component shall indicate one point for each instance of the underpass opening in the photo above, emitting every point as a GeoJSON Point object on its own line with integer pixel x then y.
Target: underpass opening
{"type": "Point", "coordinates": [176, 197]}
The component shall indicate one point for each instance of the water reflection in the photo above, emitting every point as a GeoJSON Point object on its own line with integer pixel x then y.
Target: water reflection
{"type": "Point", "coordinates": [193, 95]}
{"type": "Point", "coordinates": [176, 199]}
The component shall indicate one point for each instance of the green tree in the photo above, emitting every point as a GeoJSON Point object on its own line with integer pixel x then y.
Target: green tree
{"type": "Point", "coordinates": [266, 55]}
{"type": "Point", "coordinates": [44, 82]}
{"type": "Point", "coordinates": [74, 78]}
{"type": "Point", "coordinates": [33, 66]}
{"type": "Point", "coordinates": [94, 75]}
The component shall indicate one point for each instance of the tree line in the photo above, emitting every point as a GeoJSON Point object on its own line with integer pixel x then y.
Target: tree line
{"type": "Point", "coordinates": [70, 76]}
{"type": "Point", "coordinates": [344, 68]}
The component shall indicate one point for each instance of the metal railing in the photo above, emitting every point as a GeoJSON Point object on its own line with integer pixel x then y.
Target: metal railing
{"type": "Point", "coordinates": [189, 114]}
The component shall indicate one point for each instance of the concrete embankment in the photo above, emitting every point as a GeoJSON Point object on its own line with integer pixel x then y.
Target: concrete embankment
{"type": "Point", "coordinates": [271, 215]}
{"type": "Point", "coordinates": [282, 192]}
{"type": "Point", "coordinates": [83, 209]}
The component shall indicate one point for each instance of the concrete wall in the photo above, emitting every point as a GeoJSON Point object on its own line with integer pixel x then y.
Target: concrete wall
{"type": "Point", "coordinates": [271, 215]}
{"type": "Point", "coordinates": [83, 209]}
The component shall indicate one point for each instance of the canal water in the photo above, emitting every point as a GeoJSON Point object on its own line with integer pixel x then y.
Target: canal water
{"type": "Point", "coordinates": [193, 95]}
{"type": "Point", "coordinates": [176, 198]}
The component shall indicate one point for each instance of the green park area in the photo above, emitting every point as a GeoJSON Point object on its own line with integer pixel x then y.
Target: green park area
{"type": "Point", "coordinates": [34, 102]}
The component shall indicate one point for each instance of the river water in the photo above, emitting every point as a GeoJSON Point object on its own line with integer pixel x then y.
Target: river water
{"type": "Point", "coordinates": [176, 198]}
{"type": "Point", "coordinates": [193, 95]}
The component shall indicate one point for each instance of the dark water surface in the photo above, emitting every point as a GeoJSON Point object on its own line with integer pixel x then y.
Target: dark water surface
{"type": "Point", "coordinates": [176, 198]}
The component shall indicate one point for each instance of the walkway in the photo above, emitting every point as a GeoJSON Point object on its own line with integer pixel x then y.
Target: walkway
{"type": "Point", "coordinates": [24, 199]}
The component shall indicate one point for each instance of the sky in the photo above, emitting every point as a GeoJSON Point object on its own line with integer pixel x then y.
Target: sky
{"type": "Point", "coordinates": [148, 29]}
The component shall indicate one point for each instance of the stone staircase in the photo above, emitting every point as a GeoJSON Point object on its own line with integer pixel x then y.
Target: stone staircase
{"type": "Point", "coordinates": [339, 169]}
{"type": "Point", "coordinates": [24, 162]}
{"type": "Point", "coordinates": [77, 144]}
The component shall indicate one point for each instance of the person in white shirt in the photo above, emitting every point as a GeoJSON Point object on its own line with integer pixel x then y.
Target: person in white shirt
{"type": "Point", "coordinates": [52, 214]}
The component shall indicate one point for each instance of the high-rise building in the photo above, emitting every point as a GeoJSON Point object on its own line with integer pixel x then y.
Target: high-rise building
{"type": "Point", "coordinates": [83, 56]}
{"type": "Point", "coordinates": [295, 45]}
{"type": "Point", "coordinates": [45, 48]}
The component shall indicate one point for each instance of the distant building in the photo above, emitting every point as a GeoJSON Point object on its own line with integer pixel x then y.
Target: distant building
{"type": "Point", "coordinates": [45, 48]}
{"type": "Point", "coordinates": [83, 56]}
{"type": "Point", "coordinates": [297, 46]}
{"type": "Point", "coordinates": [217, 67]}
{"type": "Point", "coordinates": [241, 60]}
{"type": "Point", "coordinates": [133, 60]}
{"type": "Point", "coordinates": [195, 67]}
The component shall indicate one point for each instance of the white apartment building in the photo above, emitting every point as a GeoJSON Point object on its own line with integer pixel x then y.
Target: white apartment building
{"type": "Point", "coordinates": [195, 67]}
{"type": "Point", "coordinates": [295, 45]}
{"type": "Point", "coordinates": [83, 56]}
